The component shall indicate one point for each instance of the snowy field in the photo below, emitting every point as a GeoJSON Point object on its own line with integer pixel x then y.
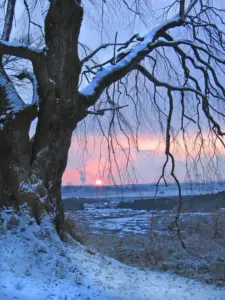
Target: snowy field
{"type": "Point", "coordinates": [123, 221]}
{"type": "Point", "coordinates": [36, 265]}
{"type": "Point", "coordinates": [118, 220]}
{"type": "Point", "coordinates": [149, 239]}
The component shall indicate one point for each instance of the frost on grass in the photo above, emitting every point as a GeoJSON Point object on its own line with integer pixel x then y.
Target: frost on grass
{"type": "Point", "coordinates": [36, 264]}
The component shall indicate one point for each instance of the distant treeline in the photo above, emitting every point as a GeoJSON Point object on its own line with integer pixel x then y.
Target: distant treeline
{"type": "Point", "coordinates": [200, 203]}
{"type": "Point", "coordinates": [73, 204]}
{"type": "Point", "coordinates": [151, 187]}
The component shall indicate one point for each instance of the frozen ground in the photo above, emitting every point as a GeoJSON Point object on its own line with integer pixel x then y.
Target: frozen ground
{"type": "Point", "coordinates": [138, 222]}
{"type": "Point", "coordinates": [35, 264]}
{"type": "Point", "coordinates": [117, 220]}
{"type": "Point", "coordinates": [149, 239]}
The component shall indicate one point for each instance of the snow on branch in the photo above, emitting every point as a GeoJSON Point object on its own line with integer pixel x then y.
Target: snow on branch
{"type": "Point", "coordinates": [127, 62]}
{"type": "Point", "coordinates": [14, 102]}
{"type": "Point", "coordinates": [10, 100]}
{"type": "Point", "coordinates": [195, 55]}
{"type": "Point", "coordinates": [35, 55]}
{"type": "Point", "coordinates": [112, 73]}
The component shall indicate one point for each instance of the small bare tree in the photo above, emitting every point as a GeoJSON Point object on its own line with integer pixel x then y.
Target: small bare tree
{"type": "Point", "coordinates": [192, 39]}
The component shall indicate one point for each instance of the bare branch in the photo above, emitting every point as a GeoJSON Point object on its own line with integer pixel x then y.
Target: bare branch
{"type": "Point", "coordinates": [165, 84]}
{"type": "Point", "coordinates": [29, 19]}
{"type": "Point", "coordinates": [129, 8]}
{"type": "Point", "coordinates": [190, 7]}
{"type": "Point", "coordinates": [8, 20]}
{"type": "Point", "coordinates": [182, 9]}
{"type": "Point", "coordinates": [88, 57]}
{"type": "Point", "coordinates": [124, 45]}
{"type": "Point", "coordinates": [101, 112]}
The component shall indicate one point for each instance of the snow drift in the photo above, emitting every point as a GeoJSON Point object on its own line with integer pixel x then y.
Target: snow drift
{"type": "Point", "coordinates": [35, 264]}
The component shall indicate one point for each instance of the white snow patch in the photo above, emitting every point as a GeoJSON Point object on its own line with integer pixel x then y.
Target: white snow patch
{"type": "Point", "coordinates": [35, 264]}
{"type": "Point", "coordinates": [33, 185]}
{"type": "Point", "coordinates": [15, 101]}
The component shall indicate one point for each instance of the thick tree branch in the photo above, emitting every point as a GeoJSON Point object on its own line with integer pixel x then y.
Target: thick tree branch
{"type": "Point", "coordinates": [36, 56]}
{"type": "Point", "coordinates": [20, 50]}
{"type": "Point", "coordinates": [112, 73]}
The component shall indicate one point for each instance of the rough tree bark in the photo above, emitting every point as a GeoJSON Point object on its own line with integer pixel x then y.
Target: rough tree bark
{"type": "Point", "coordinates": [33, 169]}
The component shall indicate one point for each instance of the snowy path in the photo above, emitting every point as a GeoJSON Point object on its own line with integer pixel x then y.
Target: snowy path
{"type": "Point", "coordinates": [36, 265]}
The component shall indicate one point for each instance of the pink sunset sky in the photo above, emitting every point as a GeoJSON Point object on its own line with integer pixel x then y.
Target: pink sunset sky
{"type": "Point", "coordinates": [145, 165]}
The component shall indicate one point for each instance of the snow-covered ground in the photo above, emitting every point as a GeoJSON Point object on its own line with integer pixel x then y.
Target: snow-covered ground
{"type": "Point", "coordinates": [126, 220]}
{"type": "Point", "coordinates": [36, 265]}
{"type": "Point", "coordinates": [114, 219]}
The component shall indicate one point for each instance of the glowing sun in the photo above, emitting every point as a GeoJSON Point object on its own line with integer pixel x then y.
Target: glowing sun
{"type": "Point", "coordinates": [98, 182]}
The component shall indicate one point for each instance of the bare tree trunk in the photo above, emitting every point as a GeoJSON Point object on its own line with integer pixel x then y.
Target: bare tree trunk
{"type": "Point", "coordinates": [50, 151]}
{"type": "Point", "coordinates": [32, 170]}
